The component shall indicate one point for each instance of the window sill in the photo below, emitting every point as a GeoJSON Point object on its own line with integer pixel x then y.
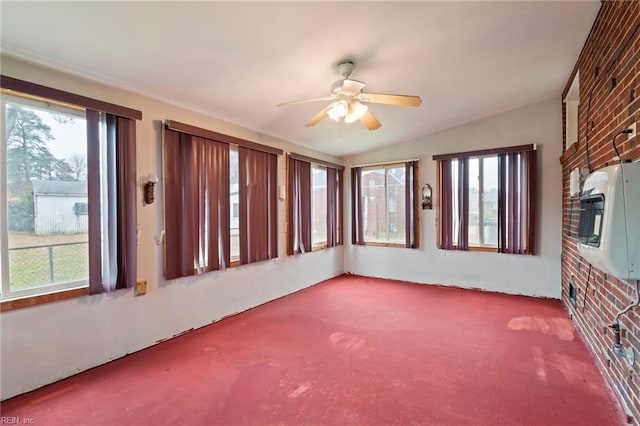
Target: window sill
{"type": "Point", "coordinates": [475, 248]}
{"type": "Point", "coordinates": [376, 244]}
{"type": "Point", "coordinates": [23, 302]}
{"type": "Point", "coordinates": [481, 248]}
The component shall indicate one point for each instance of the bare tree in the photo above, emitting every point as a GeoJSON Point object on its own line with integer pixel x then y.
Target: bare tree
{"type": "Point", "coordinates": [78, 164]}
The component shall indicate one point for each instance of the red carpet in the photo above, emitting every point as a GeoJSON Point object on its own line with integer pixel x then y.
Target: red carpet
{"type": "Point", "coordinates": [351, 350]}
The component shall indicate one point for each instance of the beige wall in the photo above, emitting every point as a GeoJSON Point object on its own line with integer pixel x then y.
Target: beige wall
{"type": "Point", "coordinates": [48, 342]}
{"type": "Point", "coordinates": [45, 343]}
{"type": "Point", "coordinates": [539, 123]}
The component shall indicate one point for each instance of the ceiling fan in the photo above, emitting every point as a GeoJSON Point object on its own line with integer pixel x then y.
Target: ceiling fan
{"type": "Point", "coordinates": [350, 103]}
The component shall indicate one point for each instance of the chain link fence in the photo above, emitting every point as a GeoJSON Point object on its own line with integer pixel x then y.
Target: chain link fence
{"type": "Point", "coordinates": [38, 265]}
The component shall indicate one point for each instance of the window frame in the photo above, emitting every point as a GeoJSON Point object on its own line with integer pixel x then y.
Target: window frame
{"type": "Point", "coordinates": [315, 246]}
{"type": "Point", "coordinates": [293, 239]}
{"type": "Point", "coordinates": [6, 294]}
{"type": "Point", "coordinates": [482, 246]}
{"type": "Point", "coordinates": [410, 234]}
{"type": "Point", "coordinates": [180, 262]}
{"type": "Point", "coordinates": [29, 90]}
{"type": "Point", "coordinates": [530, 230]}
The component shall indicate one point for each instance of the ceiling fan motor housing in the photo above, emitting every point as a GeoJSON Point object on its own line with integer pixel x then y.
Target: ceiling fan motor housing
{"type": "Point", "coordinates": [346, 68]}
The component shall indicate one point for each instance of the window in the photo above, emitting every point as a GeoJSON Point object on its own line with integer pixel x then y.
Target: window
{"type": "Point", "coordinates": [318, 206]}
{"type": "Point", "coordinates": [488, 200]}
{"type": "Point", "coordinates": [67, 215]}
{"type": "Point", "coordinates": [81, 209]}
{"type": "Point", "coordinates": [483, 201]}
{"type": "Point", "coordinates": [384, 204]}
{"type": "Point", "coordinates": [234, 179]}
{"type": "Point", "coordinates": [314, 209]}
{"type": "Point", "coordinates": [47, 246]}
{"type": "Point", "coordinates": [571, 107]}
{"type": "Point", "coordinates": [220, 201]}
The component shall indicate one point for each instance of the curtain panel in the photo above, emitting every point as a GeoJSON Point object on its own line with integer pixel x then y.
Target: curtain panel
{"type": "Point", "coordinates": [334, 207]}
{"type": "Point", "coordinates": [111, 181]}
{"type": "Point", "coordinates": [357, 228]}
{"type": "Point", "coordinates": [258, 205]}
{"type": "Point", "coordinates": [339, 237]}
{"type": "Point", "coordinates": [299, 206]}
{"type": "Point", "coordinates": [454, 204]}
{"type": "Point", "coordinates": [517, 202]}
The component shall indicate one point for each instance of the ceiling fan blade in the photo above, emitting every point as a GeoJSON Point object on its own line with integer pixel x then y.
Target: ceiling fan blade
{"type": "Point", "coordinates": [304, 101]}
{"type": "Point", "coordinates": [381, 98]}
{"type": "Point", "coordinates": [352, 87]}
{"type": "Point", "coordinates": [319, 116]}
{"type": "Point", "coordinates": [370, 121]}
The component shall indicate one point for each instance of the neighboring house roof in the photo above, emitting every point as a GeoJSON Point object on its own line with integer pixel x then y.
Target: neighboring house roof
{"type": "Point", "coordinates": [58, 187]}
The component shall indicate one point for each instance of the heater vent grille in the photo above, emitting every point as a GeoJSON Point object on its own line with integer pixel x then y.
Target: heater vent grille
{"type": "Point", "coordinates": [590, 228]}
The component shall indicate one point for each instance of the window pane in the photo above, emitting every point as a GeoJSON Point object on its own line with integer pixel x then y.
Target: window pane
{"type": "Point", "coordinates": [234, 211]}
{"type": "Point", "coordinates": [395, 225]}
{"type": "Point", "coordinates": [318, 205]}
{"type": "Point", "coordinates": [46, 166]}
{"type": "Point", "coordinates": [490, 200]}
{"type": "Point", "coordinates": [474, 202]}
{"type": "Point", "coordinates": [383, 204]}
{"type": "Point", "coordinates": [373, 205]}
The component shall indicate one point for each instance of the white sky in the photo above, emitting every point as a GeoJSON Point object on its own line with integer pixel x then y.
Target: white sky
{"type": "Point", "coordinates": [69, 138]}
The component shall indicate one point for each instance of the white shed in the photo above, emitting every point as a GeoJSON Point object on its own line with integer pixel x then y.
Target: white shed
{"type": "Point", "coordinates": [60, 207]}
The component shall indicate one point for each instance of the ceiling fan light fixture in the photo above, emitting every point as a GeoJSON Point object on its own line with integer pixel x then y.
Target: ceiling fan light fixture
{"type": "Point", "coordinates": [357, 110]}
{"type": "Point", "coordinates": [338, 110]}
{"type": "Point", "coordinates": [350, 103]}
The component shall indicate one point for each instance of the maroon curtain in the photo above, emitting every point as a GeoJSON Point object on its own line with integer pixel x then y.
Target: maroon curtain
{"type": "Point", "coordinates": [174, 219]}
{"type": "Point", "coordinates": [357, 230]}
{"type": "Point", "coordinates": [340, 206]}
{"type": "Point", "coordinates": [258, 205]}
{"type": "Point", "coordinates": [299, 207]}
{"type": "Point", "coordinates": [446, 205]}
{"type": "Point", "coordinates": [209, 198]}
{"type": "Point", "coordinates": [332, 207]}
{"type": "Point", "coordinates": [517, 202]}
{"type": "Point", "coordinates": [120, 235]}
{"type": "Point", "coordinates": [197, 217]}
{"type": "Point", "coordinates": [126, 202]}
{"type": "Point", "coordinates": [452, 195]}
{"type": "Point", "coordinates": [463, 204]}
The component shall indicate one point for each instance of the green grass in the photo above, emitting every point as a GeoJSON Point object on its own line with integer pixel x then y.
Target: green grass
{"type": "Point", "coordinates": [30, 267]}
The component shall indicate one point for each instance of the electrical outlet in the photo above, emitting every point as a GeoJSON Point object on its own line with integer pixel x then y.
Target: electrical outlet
{"type": "Point", "coordinates": [633, 131]}
{"type": "Point", "coordinates": [141, 288]}
{"type": "Point", "coordinates": [631, 357]}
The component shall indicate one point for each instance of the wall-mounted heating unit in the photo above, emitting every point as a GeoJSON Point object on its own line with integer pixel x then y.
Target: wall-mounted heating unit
{"type": "Point", "coordinates": [609, 226]}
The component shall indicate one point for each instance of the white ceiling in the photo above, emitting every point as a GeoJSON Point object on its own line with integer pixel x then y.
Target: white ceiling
{"type": "Point", "coordinates": [236, 61]}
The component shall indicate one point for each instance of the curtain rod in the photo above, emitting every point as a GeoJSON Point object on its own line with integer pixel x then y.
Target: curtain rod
{"type": "Point", "coordinates": [384, 163]}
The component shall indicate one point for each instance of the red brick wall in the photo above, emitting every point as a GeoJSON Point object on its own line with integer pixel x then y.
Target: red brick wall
{"type": "Point", "coordinates": [612, 50]}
